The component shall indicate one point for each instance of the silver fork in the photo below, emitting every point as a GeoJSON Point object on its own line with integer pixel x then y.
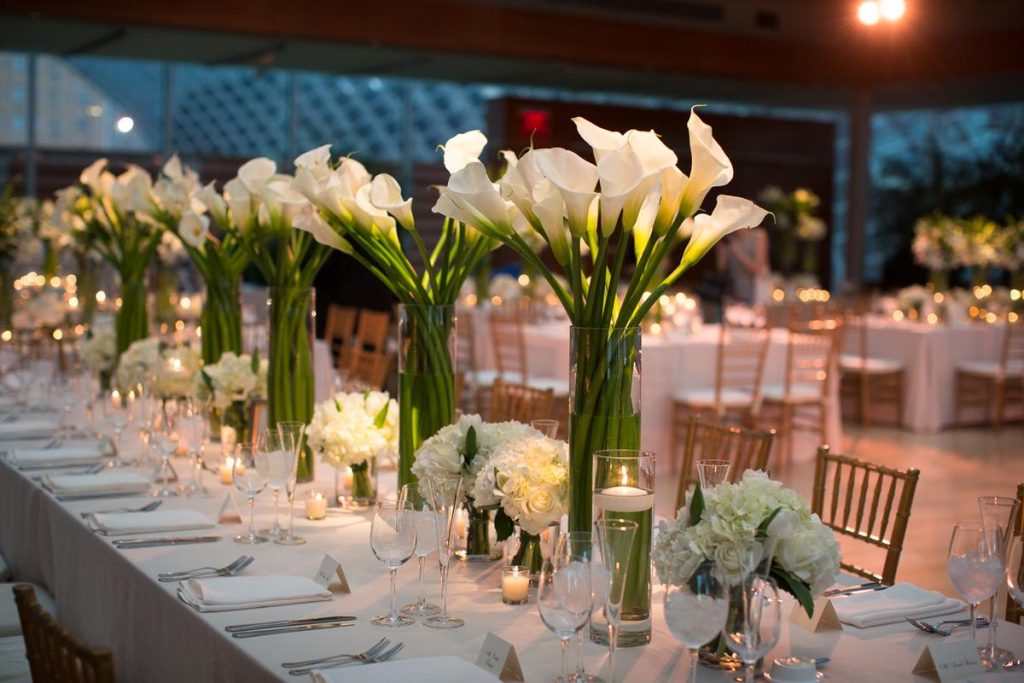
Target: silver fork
{"type": "Point", "coordinates": [370, 651]}
{"type": "Point", "coordinates": [376, 659]}
{"type": "Point", "coordinates": [148, 507]}
{"type": "Point", "coordinates": [938, 630]}
{"type": "Point", "coordinates": [229, 570]}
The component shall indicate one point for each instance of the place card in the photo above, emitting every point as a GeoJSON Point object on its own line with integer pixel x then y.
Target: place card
{"type": "Point", "coordinates": [825, 617]}
{"type": "Point", "coordinates": [226, 516]}
{"type": "Point", "coordinates": [498, 657]}
{"type": "Point", "coordinates": [330, 569]}
{"type": "Point", "coordinates": [951, 661]}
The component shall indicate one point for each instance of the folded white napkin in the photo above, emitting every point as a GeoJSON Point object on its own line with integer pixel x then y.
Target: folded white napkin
{"type": "Point", "coordinates": [421, 670]}
{"type": "Point", "coordinates": [114, 524]}
{"type": "Point", "coordinates": [223, 594]}
{"type": "Point", "coordinates": [71, 454]}
{"type": "Point", "coordinates": [104, 482]}
{"type": "Point", "coordinates": [904, 600]}
{"type": "Point", "coordinates": [29, 426]}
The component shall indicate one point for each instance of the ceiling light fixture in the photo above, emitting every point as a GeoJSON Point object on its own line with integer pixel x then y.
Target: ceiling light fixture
{"type": "Point", "coordinates": [125, 124]}
{"type": "Point", "coordinates": [892, 10]}
{"type": "Point", "coordinates": [869, 13]}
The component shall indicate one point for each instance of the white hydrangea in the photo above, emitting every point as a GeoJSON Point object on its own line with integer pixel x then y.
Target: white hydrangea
{"type": "Point", "coordinates": [45, 309]}
{"type": "Point", "coordinates": [804, 546]}
{"type": "Point", "coordinates": [344, 429]}
{"type": "Point", "coordinates": [99, 348]}
{"type": "Point", "coordinates": [150, 362]}
{"type": "Point", "coordinates": [529, 478]}
{"type": "Point", "coordinates": [230, 379]}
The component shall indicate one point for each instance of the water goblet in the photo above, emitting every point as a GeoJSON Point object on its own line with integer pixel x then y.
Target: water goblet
{"type": "Point", "coordinates": [426, 543]}
{"type": "Point", "coordinates": [280, 462]}
{"type": "Point", "coordinates": [165, 440]}
{"type": "Point", "coordinates": [548, 428]}
{"type": "Point", "coordinates": [974, 566]}
{"type": "Point", "coordinates": [997, 515]}
{"type": "Point", "coordinates": [445, 498]}
{"type": "Point", "coordinates": [565, 599]}
{"type": "Point", "coordinates": [696, 611]}
{"type": "Point", "coordinates": [582, 544]}
{"type": "Point", "coordinates": [292, 435]}
{"type": "Point", "coordinates": [393, 541]}
{"type": "Point", "coordinates": [615, 538]}
{"type": "Point", "coordinates": [754, 622]}
{"type": "Point", "coordinates": [711, 473]}
{"type": "Point", "coordinates": [250, 473]}
{"type": "Point", "coordinates": [192, 428]}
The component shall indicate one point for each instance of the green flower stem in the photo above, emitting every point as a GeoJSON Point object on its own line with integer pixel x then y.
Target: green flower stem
{"type": "Point", "coordinates": [132, 321]}
{"type": "Point", "coordinates": [221, 319]}
{"type": "Point", "coordinates": [290, 368]}
{"type": "Point", "coordinates": [362, 487]}
{"type": "Point", "coordinates": [478, 532]}
{"type": "Point", "coordinates": [51, 266]}
{"type": "Point", "coordinates": [166, 286]}
{"type": "Point", "coordinates": [529, 554]}
{"type": "Point", "coordinates": [87, 283]}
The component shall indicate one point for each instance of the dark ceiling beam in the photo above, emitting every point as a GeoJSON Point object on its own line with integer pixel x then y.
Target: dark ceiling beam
{"type": "Point", "coordinates": [852, 56]}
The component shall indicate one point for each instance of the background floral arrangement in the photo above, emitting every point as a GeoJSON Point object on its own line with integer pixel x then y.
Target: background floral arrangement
{"type": "Point", "coordinates": [233, 378]}
{"type": "Point", "coordinates": [725, 525]}
{"type": "Point", "coordinates": [943, 243]}
{"type": "Point", "coordinates": [795, 219]}
{"type": "Point", "coordinates": [352, 428]}
{"type": "Point", "coordinates": [146, 362]}
{"type": "Point", "coordinates": [99, 348]}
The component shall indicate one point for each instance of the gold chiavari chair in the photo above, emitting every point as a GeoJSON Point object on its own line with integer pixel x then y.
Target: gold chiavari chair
{"type": "Point", "coordinates": [801, 402]}
{"type": "Point", "coordinates": [865, 501]}
{"type": "Point", "coordinates": [474, 381]}
{"type": "Point", "coordinates": [987, 384]}
{"type": "Point", "coordinates": [509, 343]}
{"type": "Point", "coordinates": [1015, 612]}
{"type": "Point", "coordinates": [746, 449]}
{"type": "Point", "coordinates": [519, 402]}
{"type": "Point", "coordinates": [739, 366]}
{"type": "Point", "coordinates": [866, 380]}
{"type": "Point", "coordinates": [338, 332]}
{"type": "Point", "coordinates": [372, 330]}
{"type": "Point", "coordinates": [54, 654]}
{"type": "Point", "coordinates": [369, 368]}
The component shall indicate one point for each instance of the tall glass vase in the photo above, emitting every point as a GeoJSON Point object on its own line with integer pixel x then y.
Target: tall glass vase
{"type": "Point", "coordinates": [166, 286]}
{"type": "Point", "coordinates": [51, 265]}
{"type": "Point", "coordinates": [87, 281]}
{"type": "Point", "coordinates": [221, 319]}
{"type": "Point", "coordinates": [290, 366]}
{"type": "Point", "coordinates": [132, 317]}
{"type": "Point", "coordinates": [426, 380]}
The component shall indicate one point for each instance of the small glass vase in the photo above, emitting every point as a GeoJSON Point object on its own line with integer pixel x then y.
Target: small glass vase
{"type": "Point", "coordinates": [529, 554]}
{"type": "Point", "coordinates": [234, 424]}
{"type": "Point", "coordinates": [426, 381]}
{"type": "Point", "coordinates": [478, 534]}
{"type": "Point", "coordinates": [221, 319]}
{"type": "Point", "coordinates": [290, 366]}
{"type": "Point", "coordinates": [132, 320]}
{"type": "Point", "coordinates": [363, 492]}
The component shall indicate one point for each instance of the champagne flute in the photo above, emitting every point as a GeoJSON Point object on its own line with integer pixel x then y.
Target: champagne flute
{"type": "Point", "coordinates": [565, 598]}
{"type": "Point", "coordinates": [250, 473]}
{"type": "Point", "coordinates": [1015, 569]}
{"type": "Point", "coordinates": [426, 543]}
{"type": "Point", "coordinates": [974, 566]}
{"type": "Point", "coordinates": [754, 621]}
{"type": "Point", "coordinates": [445, 498]}
{"type": "Point", "coordinates": [615, 536]}
{"type": "Point", "coordinates": [696, 611]}
{"type": "Point", "coordinates": [393, 541]}
{"type": "Point", "coordinates": [279, 462]}
{"type": "Point", "coordinates": [292, 436]}
{"type": "Point", "coordinates": [997, 515]}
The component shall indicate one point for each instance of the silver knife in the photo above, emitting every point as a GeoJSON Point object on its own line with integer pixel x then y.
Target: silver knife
{"type": "Point", "coordinates": [858, 591]}
{"type": "Point", "coordinates": [71, 498]}
{"type": "Point", "coordinates": [849, 589]}
{"type": "Point", "coordinates": [290, 629]}
{"type": "Point", "coordinates": [285, 622]}
{"type": "Point", "coordinates": [171, 540]}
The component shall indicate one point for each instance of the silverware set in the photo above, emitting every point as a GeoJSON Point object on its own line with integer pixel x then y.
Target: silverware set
{"type": "Point", "coordinates": [379, 652]}
{"type": "Point", "coordinates": [202, 572]}
{"type": "Point", "coordinates": [76, 497]}
{"type": "Point", "coordinates": [869, 587]}
{"type": "Point", "coordinates": [939, 630]}
{"type": "Point", "coordinates": [148, 507]}
{"type": "Point", "coordinates": [131, 543]}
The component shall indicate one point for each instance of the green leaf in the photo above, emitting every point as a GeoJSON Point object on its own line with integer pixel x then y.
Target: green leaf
{"type": "Point", "coordinates": [255, 364]}
{"type": "Point", "coordinates": [503, 524]}
{"type": "Point", "coordinates": [696, 505]}
{"type": "Point", "coordinates": [472, 448]}
{"type": "Point", "coordinates": [337, 405]}
{"type": "Point", "coordinates": [382, 415]}
{"type": "Point", "coordinates": [762, 528]}
{"type": "Point", "coordinates": [795, 587]}
{"type": "Point", "coordinates": [207, 380]}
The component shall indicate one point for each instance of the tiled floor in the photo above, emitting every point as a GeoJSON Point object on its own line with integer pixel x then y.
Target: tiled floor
{"type": "Point", "coordinates": [956, 467]}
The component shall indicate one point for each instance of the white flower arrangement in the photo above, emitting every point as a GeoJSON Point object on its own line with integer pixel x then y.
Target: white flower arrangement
{"type": "Point", "coordinates": [810, 228]}
{"type": "Point", "coordinates": [167, 370]}
{"type": "Point", "coordinates": [352, 428]}
{"type": "Point", "coordinates": [729, 525]}
{"type": "Point", "coordinates": [44, 309]}
{"type": "Point", "coordinates": [529, 479]}
{"type": "Point", "coordinates": [99, 348]}
{"type": "Point", "coordinates": [232, 378]}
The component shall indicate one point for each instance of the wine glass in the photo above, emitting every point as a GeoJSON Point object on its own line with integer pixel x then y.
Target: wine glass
{"type": "Point", "coordinates": [565, 597]}
{"type": "Point", "coordinates": [974, 566]}
{"type": "Point", "coordinates": [1015, 569]}
{"type": "Point", "coordinates": [695, 612]}
{"type": "Point", "coordinates": [426, 543]}
{"type": "Point", "coordinates": [615, 536]}
{"type": "Point", "coordinates": [548, 428]}
{"type": "Point", "coordinates": [192, 428]}
{"type": "Point", "coordinates": [280, 463]}
{"type": "Point", "coordinates": [393, 540]}
{"type": "Point", "coordinates": [997, 515]}
{"type": "Point", "coordinates": [753, 623]}
{"type": "Point", "coordinates": [250, 472]}
{"type": "Point", "coordinates": [711, 473]}
{"type": "Point", "coordinates": [583, 544]}
{"type": "Point", "coordinates": [445, 498]}
{"type": "Point", "coordinates": [292, 435]}
{"type": "Point", "coordinates": [165, 440]}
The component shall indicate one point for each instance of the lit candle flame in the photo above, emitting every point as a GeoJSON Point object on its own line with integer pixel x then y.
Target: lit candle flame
{"type": "Point", "coordinates": [623, 476]}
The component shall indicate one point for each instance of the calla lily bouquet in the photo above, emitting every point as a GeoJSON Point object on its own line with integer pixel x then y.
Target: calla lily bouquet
{"type": "Point", "coordinates": [632, 200]}
{"type": "Point", "coordinates": [360, 214]}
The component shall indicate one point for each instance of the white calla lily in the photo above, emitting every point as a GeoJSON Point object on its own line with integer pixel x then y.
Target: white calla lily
{"type": "Point", "coordinates": [550, 212]}
{"type": "Point", "coordinates": [519, 183]}
{"type": "Point", "coordinates": [239, 201]}
{"type": "Point", "coordinates": [316, 161]}
{"type": "Point", "coordinates": [730, 214]}
{"type": "Point", "coordinates": [575, 178]}
{"type": "Point", "coordinates": [369, 216]}
{"type": "Point", "coordinates": [462, 149]}
{"type": "Point", "coordinates": [600, 140]}
{"type": "Point", "coordinates": [386, 194]}
{"type": "Point", "coordinates": [194, 229]}
{"type": "Point", "coordinates": [90, 176]}
{"type": "Point", "coordinates": [472, 198]}
{"type": "Point", "coordinates": [256, 173]}
{"type": "Point", "coordinates": [643, 227]}
{"type": "Point", "coordinates": [309, 219]}
{"type": "Point", "coordinates": [654, 155]}
{"type": "Point", "coordinates": [620, 172]}
{"type": "Point", "coordinates": [710, 167]}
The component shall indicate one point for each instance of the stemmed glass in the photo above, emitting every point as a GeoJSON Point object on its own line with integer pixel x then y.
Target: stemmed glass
{"type": "Point", "coordinates": [192, 428]}
{"type": "Point", "coordinates": [445, 497]}
{"type": "Point", "coordinates": [997, 515]}
{"type": "Point", "coordinates": [754, 622]}
{"type": "Point", "coordinates": [292, 440]}
{"type": "Point", "coordinates": [712, 473]}
{"type": "Point", "coordinates": [280, 464]}
{"type": "Point", "coordinates": [393, 540]}
{"type": "Point", "coordinates": [250, 472]}
{"type": "Point", "coordinates": [696, 611]}
{"type": "Point", "coordinates": [583, 545]}
{"type": "Point", "coordinates": [1015, 569]}
{"type": "Point", "coordinates": [565, 597]}
{"type": "Point", "coordinates": [974, 566]}
{"type": "Point", "coordinates": [615, 536]}
{"type": "Point", "coordinates": [426, 543]}
{"type": "Point", "coordinates": [117, 417]}
{"type": "Point", "coordinates": [164, 438]}
{"type": "Point", "coordinates": [548, 428]}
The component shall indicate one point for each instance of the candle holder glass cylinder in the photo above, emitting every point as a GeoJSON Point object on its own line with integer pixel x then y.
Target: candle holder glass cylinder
{"type": "Point", "coordinates": [624, 490]}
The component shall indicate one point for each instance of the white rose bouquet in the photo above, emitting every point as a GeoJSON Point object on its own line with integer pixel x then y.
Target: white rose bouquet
{"type": "Point", "coordinates": [232, 379]}
{"type": "Point", "coordinates": [732, 525]}
{"type": "Point", "coordinates": [167, 370]}
{"type": "Point", "coordinates": [351, 429]}
{"type": "Point", "coordinates": [99, 349]}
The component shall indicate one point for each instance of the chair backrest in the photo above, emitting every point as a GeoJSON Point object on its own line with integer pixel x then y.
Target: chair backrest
{"type": "Point", "coordinates": [338, 331]}
{"type": "Point", "coordinates": [1015, 612]}
{"type": "Point", "coordinates": [519, 402]}
{"type": "Point", "coordinates": [370, 368]}
{"type": "Point", "coordinates": [371, 335]}
{"type": "Point", "coordinates": [465, 341]}
{"type": "Point", "coordinates": [868, 502]}
{"type": "Point", "coordinates": [54, 654]}
{"type": "Point", "coordinates": [509, 344]}
{"type": "Point", "coordinates": [1013, 344]}
{"type": "Point", "coordinates": [812, 351]}
{"type": "Point", "coordinates": [740, 361]}
{"type": "Point", "coordinates": [746, 449]}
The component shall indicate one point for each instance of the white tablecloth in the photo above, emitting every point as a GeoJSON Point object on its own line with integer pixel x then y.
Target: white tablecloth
{"type": "Point", "coordinates": [668, 364]}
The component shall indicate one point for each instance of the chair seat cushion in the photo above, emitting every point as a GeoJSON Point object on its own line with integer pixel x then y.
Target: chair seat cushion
{"type": "Point", "coordinates": [10, 624]}
{"type": "Point", "coordinates": [798, 393]}
{"type": "Point", "coordinates": [987, 368]}
{"type": "Point", "coordinates": [869, 366]}
{"type": "Point", "coordinates": [731, 398]}
{"type": "Point", "coordinates": [13, 663]}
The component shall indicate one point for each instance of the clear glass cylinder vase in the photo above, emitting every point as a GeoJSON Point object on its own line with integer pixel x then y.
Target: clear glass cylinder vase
{"type": "Point", "coordinates": [290, 363]}
{"type": "Point", "coordinates": [221, 319]}
{"type": "Point", "coordinates": [132, 320]}
{"type": "Point", "coordinates": [426, 380]}
{"type": "Point", "coordinates": [165, 281]}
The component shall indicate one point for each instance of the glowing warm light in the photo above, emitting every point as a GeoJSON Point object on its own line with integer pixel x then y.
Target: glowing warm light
{"type": "Point", "coordinates": [79, 329]}
{"type": "Point", "coordinates": [973, 311]}
{"type": "Point", "coordinates": [117, 302]}
{"type": "Point", "coordinates": [199, 332]}
{"type": "Point", "coordinates": [990, 317]}
{"type": "Point", "coordinates": [869, 13]}
{"type": "Point", "coordinates": [778, 294]}
{"type": "Point", "coordinates": [186, 302]}
{"type": "Point", "coordinates": [623, 476]}
{"type": "Point", "coordinates": [524, 280]}
{"type": "Point", "coordinates": [101, 296]}
{"type": "Point", "coordinates": [125, 124]}
{"type": "Point", "coordinates": [1015, 294]}
{"type": "Point", "coordinates": [680, 298]}
{"type": "Point", "coordinates": [897, 315]}
{"type": "Point", "coordinates": [471, 300]}
{"type": "Point", "coordinates": [663, 300]}
{"type": "Point", "coordinates": [932, 318]}
{"type": "Point", "coordinates": [495, 300]}
{"type": "Point", "coordinates": [55, 281]}
{"type": "Point", "coordinates": [7, 335]}
{"type": "Point", "coordinates": [58, 335]}
{"type": "Point", "coordinates": [72, 279]}
{"type": "Point", "coordinates": [1011, 317]}
{"type": "Point", "coordinates": [179, 325]}
{"type": "Point", "coordinates": [939, 298]}
{"type": "Point", "coordinates": [655, 328]}
{"type": "Point", "coordinates": [892, 10]}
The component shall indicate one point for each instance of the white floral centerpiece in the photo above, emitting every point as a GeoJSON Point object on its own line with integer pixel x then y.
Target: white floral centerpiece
{"type": "Point", "coordinates": [352, 429]}
{"type": "Point", "coordinates": [732, 524]}
{"type": "Point", "coordinates": [166, 370]}
{"type": "Point", "coordinates": [230, 386]}
{"type": "Point", "coordinates": [99, 351]}
{"type": "Point", "coordinates": [45, 309]}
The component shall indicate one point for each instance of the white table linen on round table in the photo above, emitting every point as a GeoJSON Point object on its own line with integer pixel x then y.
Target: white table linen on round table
{"type": "Point", "coordinates": [110, 597]}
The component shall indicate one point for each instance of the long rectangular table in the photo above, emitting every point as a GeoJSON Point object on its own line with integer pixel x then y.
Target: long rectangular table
{"type": "Point", "coordinates": [111, 597]}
